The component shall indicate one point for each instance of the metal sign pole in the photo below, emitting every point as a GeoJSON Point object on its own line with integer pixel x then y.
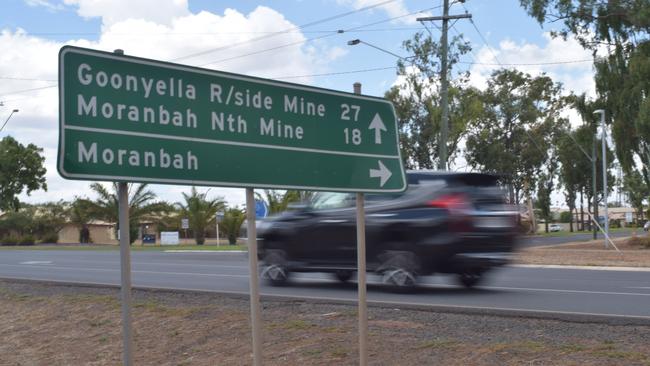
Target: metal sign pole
{"type": "Point", "coordinates": [217, 220]}
{"type": "Point", "coordinates": [125, 267]}
{"type": "Point", "coordinates": [254, 278]}
{"type": "Point", "coordinates": [361, 272]}
{"type": "Point", "coordinates": [125, 264]}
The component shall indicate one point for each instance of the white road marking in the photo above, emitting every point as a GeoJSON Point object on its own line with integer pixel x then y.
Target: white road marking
{"type": "Point", "coordinates": [591, 268]}
{"type": "Point", "coordinates": [36, 262]}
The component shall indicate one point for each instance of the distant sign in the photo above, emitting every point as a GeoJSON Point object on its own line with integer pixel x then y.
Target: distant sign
{"type": "Point", "coordinates": [169, 238]}
{"type": "Point", "coordinates": [124, 118]}
{"type": "Point", "coordinates": [261, 209]}
{"type": "Point", "coordinates": [629, 217]}
{"type": "Point", "coordinates": [185, 223]}
{"type": "Point", "coordinates": [220, 215]}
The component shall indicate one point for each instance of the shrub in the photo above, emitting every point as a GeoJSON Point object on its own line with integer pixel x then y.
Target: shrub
{"type": "Point", "coordinates": [51, 238]}
{"type": "Point", "coordinates": [639, 241]}
{"type": "Point", "coordinates": [9, 240]}
{"type": "Point", "coordinates": [26, 240]}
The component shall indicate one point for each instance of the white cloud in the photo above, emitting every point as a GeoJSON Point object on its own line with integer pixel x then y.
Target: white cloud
{"type": "Point", "coordinates": [180, 33]}
{"type": "Point", "coordinates": [394, 9]}
{"type": "Point", "coordinates": [577, 77]}
{"type": "Point", "coordinates": [114, 11]}
{"type": "Point", "coordinates": [44, 3]}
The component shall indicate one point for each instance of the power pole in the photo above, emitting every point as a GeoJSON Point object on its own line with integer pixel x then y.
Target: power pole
{"type": "Point", "coordinates": [444, 83]}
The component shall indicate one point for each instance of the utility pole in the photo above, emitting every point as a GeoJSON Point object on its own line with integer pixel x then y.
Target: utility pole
{"type": "Point", "coordinates": [595, 190]}
{"type": "Point", "coordinates": [604, 144]}
{"type": "Point", "coordinates": [444, 83]}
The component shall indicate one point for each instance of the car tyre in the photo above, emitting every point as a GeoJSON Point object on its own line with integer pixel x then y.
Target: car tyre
{"type": "Point", "coordinates": [399, 271]}
{"type": "Point", "coordinates": [470, 278]}
{"type": "Point", "coordinates": [343, 275]}
{"type": "Point", "coordinates": [275, 270]}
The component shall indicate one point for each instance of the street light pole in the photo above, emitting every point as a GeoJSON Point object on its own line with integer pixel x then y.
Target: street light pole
{"type": "Point", "coordinates": [604, 144]}
{"type": "Point", "coordinates": [7, 120]}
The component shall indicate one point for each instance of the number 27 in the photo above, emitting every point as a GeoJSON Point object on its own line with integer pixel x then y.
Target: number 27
{"type": "Point", "coordinates": [345, 111]}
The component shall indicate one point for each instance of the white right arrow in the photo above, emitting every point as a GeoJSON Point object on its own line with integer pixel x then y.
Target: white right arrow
{"type": "Point", "coordinates": [382, 173]}
{"type": "Point", "coordinates": [378, 125]}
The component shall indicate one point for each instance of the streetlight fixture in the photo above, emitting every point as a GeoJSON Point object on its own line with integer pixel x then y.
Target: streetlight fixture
{"type": "Point", "coordinates": [604, 143]}
{"type": "Point", "coordinates": [355, 42]}
{"type": "Point", "coordinates": [7, 120]}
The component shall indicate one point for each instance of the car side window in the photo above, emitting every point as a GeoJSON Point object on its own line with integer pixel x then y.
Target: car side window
{"type": "Point", "coordinates": [332, 200]}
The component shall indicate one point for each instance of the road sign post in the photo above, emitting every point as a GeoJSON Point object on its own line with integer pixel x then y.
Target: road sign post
{"type": "Point", "coordinates": [256, 317]}
{"type": "Point", "coordinates": [130, 119]}
{"type": "Point", "coordinates": [362, 305]}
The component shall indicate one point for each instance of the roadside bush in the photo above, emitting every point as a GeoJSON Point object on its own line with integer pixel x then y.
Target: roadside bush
{"type": "Point", "coordinates": [615, 223]}
{"type": "Point", "coordinates": [639, 241]}
{"type": "Point", "coordinates": [9, 240]}
{"type": "Point", "coordinates": [51, 238]}
{"type": "Point", "coordinates": [524, 227]}
{"type": "Point", "coordinates": [26, 240]}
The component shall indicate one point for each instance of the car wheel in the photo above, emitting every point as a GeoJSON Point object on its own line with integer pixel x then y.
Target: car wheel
{"type": "Point", "coordinates": [275, 269]}
{"type": "Point", "coordinates": [470, 278]}
{"type": "Point", "coordinates": [343, 275]}
{"type": "Point", "coordinates": [399, 271]}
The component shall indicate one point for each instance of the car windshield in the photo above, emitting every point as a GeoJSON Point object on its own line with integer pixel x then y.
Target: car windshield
{"type": "Point", "coordinates": [330, 200]}
{"type": "Point", "coordinates": [333, 200]}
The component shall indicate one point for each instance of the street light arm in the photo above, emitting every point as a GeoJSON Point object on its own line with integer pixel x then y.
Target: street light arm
{"type": "Point", "coordinates": [7, 120]}
{"type": "Point", "coordinates": [355, 42]}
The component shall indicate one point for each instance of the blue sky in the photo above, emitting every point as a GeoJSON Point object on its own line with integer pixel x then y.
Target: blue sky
{"type": "Point", "coordinates": [32, 31]}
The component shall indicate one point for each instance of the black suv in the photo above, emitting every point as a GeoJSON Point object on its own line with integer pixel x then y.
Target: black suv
{"type": "Point", "coordinates": [444, 222]}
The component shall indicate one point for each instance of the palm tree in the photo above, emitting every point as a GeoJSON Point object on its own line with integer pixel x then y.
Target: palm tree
{"type": "Point", "coordinates": [232, 220]}
{"type": "Point", "coordinates": [141, 205]}
{"type": "Point", "coordinates": [200, 211]}
{"type": "Point", "coordinates": [279, 202]}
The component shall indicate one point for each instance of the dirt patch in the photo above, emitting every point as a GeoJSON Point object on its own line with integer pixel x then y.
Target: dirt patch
{"type": "Point", "coordinates": [67, 325]}
{"type": "Point", "coordinates": [633, 253]}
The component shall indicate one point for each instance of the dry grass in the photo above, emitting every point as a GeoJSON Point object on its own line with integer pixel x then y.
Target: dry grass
{"type": "Point", "coordinates": [634, 252]}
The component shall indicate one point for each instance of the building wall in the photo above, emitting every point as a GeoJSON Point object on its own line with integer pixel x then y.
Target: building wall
{"type": "Point", "coordinates": [99, 234]}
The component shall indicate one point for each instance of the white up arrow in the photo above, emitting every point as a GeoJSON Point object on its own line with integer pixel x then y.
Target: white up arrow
{"type": "Point", "coordinates": [382, 173]}
{"type": "Point", "coordinates": [378, 125]}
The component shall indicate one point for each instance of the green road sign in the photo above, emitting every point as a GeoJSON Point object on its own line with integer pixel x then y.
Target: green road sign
{"type": "Point", "coordinates": [124, 118]}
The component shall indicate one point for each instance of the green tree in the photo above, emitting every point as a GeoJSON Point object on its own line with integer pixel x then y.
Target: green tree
{"type": "Point", "coordinates": [21, 169]}
{"type": "Point", "coordinates": [637, 191]}
{"type": "Point", "coordinates": [566, 217]}
{"type": "Point", "coordinates": [543, 202]}
{"type": "Point", "coordinates": [623, 76]}
{"type": "Point", "coordinates": [49, 218]}
{"type": "Point", "coordinates": [141, 205]}
{"type": "Point", "coordinates": [575, 169]}
{"type": "Point", "coordinates": [231, 224]}
{"type": "Point", "coordinates": [514, 134]}
{"type": "Point", "coordinates": [80, 214]}
{"type": "Point", "coordinates": [417, 101]}
{"type": "Point", "coordinates": [200, 211]}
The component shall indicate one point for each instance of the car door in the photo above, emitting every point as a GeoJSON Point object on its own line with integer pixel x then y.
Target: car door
{"type": "Point", "coordinates": [329, 235]}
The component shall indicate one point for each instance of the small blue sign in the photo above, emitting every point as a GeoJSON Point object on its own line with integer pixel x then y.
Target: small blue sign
{"type": "Point", "coordinates": [261, 209]}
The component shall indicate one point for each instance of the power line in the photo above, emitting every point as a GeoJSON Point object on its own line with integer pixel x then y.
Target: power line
{"type": "Point", "coordinates": [27, 90]}
{"type": "Point", "coordinates": [337, 73]}
{"type": "Point", "coordinates": [483, 38]}
{"type": "Point", "coordinates": [283, 32]}
{"type": "Point", "coordinates": [25, 79]}
{"type": "Point", "coordinates": [527, 64]}
{"type": "Point", "coordinates": [315, 38]}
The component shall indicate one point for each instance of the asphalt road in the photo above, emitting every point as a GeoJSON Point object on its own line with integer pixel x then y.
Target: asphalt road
{"type": "Point", "coordinates": [531, 241]}
{"type": "Point", "coordinates": [550, 290]}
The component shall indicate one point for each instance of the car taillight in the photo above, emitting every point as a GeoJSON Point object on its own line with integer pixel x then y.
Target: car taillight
{"type": "Point", "coordinates": [458, 206]}
{"type": "Point", "coordinates": [453, 202]}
